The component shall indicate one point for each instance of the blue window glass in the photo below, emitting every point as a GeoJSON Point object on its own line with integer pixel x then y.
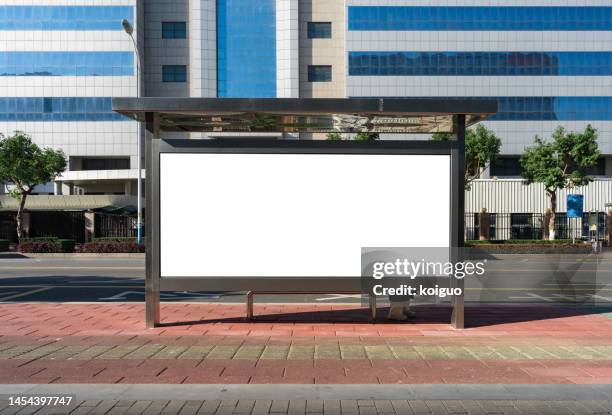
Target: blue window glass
{"type": "Point", "coordinates": [66, 64]}
{"type": "Point", "coordinates": [64, 17]}
{"type": "Point", "coordinates": [58, 109]}
{"type": "Point", "coordinates": [319, 30]}
{"type": "Point", "coordinates": [319, 73]}
{"type": "Point", "coordinates": [480, 63]}
{"type": "Point", "coordinates": [174, 30]}
{"type": "Point", "coordinates": [246, 48]}
{"type": "Point", "coordinates": [479, 18]}
{"type": "Point", "coordinates": [174, 73]}
{"type": "Point", "coordinates": [548, 108]}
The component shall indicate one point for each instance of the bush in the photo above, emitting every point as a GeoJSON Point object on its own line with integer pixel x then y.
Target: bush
{"type": "Point", "coordinates": [47, 244]}
{"type": "Point", "coordinates": [4, 245]}
{"type": "Point", "coordinates": [113, 247]}
{"type": "Point", "coordinates": [522, 241]}
{"type": "Point", "coordinates": [114, 239]}
{"type": "Point", "coordinates": [39, 246]}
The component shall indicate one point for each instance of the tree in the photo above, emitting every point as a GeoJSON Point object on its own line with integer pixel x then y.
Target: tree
{"type": "Point", "coordinates": [26, 165]}
{"type": "Point", "coordinates": [334, 136]}
{"type": "Point", "coordinates": [366, 136]}
{"type": "Point", "coordinates": [481, 149]}
{"type": "Point", "coordinates": [560, 164]}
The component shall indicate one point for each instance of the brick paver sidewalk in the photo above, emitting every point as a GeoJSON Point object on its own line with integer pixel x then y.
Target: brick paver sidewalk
{"type": "Point", "coordinates": [325, 407]}
{"type": "Point", "coordinates": [107, 343]}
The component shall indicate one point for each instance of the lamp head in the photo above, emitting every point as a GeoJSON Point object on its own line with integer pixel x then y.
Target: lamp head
{"type": "Point", "coordinates": [127, 26]}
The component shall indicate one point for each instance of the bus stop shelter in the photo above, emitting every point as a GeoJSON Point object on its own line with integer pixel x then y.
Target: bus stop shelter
{"type": "Point", "coordinates": [225, 117]}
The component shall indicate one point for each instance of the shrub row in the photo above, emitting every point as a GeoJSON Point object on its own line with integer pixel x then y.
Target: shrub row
{"type": "Point", "coordinates": [46, 245]}
{"type": "Point", "coordinates": [521, 241]}
{"type": "Point", "coordinates": [113, 247]}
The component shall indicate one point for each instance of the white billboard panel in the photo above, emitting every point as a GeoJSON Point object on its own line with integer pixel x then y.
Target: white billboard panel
{"type": "Point", "coordinates": [296, 215]}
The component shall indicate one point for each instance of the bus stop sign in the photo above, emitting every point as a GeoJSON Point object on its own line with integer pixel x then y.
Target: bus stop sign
{"type": "Point", "coordinates": [575, 206]}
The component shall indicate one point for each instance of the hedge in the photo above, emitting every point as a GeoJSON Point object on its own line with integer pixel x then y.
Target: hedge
{"type": "Point", "coordinates": [521, 241]}
{"type": "Point", "coordinates": [114, 239]}
{"type": "Point", "coordinates": [113, 247]}
{"type": "Point", "coordinates": [46, 245]}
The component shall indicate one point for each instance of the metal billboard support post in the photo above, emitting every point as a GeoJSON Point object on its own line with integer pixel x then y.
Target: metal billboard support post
{"type": "Point", "coordinates": [457, 217]}
{"type": "Point", "coordinates": [152, 282]}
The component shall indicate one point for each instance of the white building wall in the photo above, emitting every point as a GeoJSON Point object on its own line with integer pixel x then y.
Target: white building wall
{"type": "Point", "coordinates": [202, 29]}
{"type": "Point", "coordinates": [75, 138]}
{"type": "Point", "coordinates": [287, 49]}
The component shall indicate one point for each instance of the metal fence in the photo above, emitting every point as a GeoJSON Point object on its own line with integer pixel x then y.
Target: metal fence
{"type": "Point", "coordinates": [60, 224]}
{"type": "Point", "coordinates": [115, 226]}
{"type": "Point", "coordinates": [504, 226]}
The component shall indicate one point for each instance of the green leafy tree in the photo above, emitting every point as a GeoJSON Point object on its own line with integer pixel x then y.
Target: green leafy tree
{"type": "Point", "coordinates": [26, 165]}
{"type": "Point", "coordinates": [366, 136]}
{"type": "Point", "coordinates": [481, 149]}
{"type": "Point", "coordinates": [334, 136]}
{"type": "Point", "coordinates": [561, 163]}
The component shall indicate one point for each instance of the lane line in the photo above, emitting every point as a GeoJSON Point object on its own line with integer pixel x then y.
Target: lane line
{"type": "Point", "coordinates": [10, 297]}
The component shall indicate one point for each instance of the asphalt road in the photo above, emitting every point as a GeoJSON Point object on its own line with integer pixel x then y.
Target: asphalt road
{"type": "Point", "coordinates": [517, 278]}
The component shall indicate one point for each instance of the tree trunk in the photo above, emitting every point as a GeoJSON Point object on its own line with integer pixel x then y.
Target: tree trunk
{"type": "Point", "coordinates": [553, 211]}
{"type": "Point", "coordinates": [22, 200]}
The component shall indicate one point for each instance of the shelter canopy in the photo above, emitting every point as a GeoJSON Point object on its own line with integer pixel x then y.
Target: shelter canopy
{"type": "Point", "coordinates": [306, 115]}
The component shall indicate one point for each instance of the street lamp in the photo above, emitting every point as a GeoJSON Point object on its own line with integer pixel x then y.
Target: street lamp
{"type": "Point", "coordinates": [129, 29]}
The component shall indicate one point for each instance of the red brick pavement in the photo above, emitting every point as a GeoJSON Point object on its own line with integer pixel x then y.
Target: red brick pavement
{"type": "Point", "coordinates": [91, 343]}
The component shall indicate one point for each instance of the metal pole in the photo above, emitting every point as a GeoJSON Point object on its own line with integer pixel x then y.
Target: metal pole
{"type": "Point", "coordinates": [138, 150]}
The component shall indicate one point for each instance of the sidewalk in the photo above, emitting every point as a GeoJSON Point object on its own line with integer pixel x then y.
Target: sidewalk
{"type": "Point", "coordinates": [322, 344]}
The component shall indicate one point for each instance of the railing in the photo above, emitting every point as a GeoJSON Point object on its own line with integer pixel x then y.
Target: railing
{"type": "Point", "coordinates": [115, 226]}
{"type": "Point", "coordinates": [504, 226]}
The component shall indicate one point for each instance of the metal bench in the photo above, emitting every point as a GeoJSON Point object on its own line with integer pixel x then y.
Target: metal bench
{"type": "Point", "coordinates": [251, 294]}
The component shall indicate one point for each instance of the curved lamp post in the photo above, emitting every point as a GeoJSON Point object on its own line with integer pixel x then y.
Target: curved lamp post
{"type": "Point", "coordinates": [129, 29]}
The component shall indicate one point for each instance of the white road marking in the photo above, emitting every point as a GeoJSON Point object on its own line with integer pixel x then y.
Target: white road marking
{"type": "Point", "coordinates": [10, 297]}
{"type": "Point", "coordinates": [337, 297]}
{"type": "Point", "coordinates": [123, 295]}
{"type": "Point", "coordinates": [531, 296]}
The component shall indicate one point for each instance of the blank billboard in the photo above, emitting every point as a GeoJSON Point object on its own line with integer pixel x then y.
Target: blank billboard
{"type": "Point", "coordinates": [296, 215]}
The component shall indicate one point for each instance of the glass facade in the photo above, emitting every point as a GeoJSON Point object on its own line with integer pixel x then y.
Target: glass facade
{"type": "Point", "coordinates": [319, 30]}
{"type": "Point", "coordinates": [174, 73]}
{"type": "Point", "coordinates": [480, 63]}
{"type": "Point", "coordinates": [66, 64]}
{"type": "Point", "coordinates": [547, 108]}
{"type": "Point", "coordinates": [58, 109]}
{"type": "Point", "coordinates": [64, 17]}
{"type": "Point", "coordinates": [174, 30]}
{"type": "Point", "coordinates": [479, 18]}
{"type": "Point", "coordinates": [319, 73]}
{"type": "Point", "coordinates": [246, 48]}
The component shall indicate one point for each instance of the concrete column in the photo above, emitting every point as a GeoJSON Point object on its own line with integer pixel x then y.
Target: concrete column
{"type": "Point", "coordinates": [127, 187]}
{"type": "Point", "coordinates": [57, 188]}
{"type": "Point", "coordinates": [90, 225]}
{"type": "Point", "coordinates": [484, 221]}
{"type": "Point", "coordinates": [609, 228]}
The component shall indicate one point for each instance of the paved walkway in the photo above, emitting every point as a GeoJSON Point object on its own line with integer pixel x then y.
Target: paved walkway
{"type": "Point", "coordinates": [321, 344]}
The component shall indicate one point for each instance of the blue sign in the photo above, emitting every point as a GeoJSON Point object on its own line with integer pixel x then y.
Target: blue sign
{"type": "Point", "coordinates": [575, 206]}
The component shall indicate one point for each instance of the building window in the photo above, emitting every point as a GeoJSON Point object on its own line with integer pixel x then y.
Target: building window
{"type": "Point", "coordinates": [246, 56]}
{"type": "Point", "coordinates": [480, 63]}
{"type": "Point", "coordinates": [506, 167]}
{"type": "Point", "coordinates": [66, 63]}
{"type": "Point", "coordinates": [64, 17]}
{"type": "Point", "coordinates": [58, 109]}
{"type": "Point", "coordinates": [105, 164]}
{"type": "Point", "coordinates": [506, 18]}
{"type": "Point", "coordinates": [174, 73]}
{"type": "Point", "coordinates": [319, 30]}
{"type": "Point", "coordinates": [599, 169]}
{"type": "Point", "coordinates": [319, 73]}
{"type": "Point", "coordinates": [174, 30]}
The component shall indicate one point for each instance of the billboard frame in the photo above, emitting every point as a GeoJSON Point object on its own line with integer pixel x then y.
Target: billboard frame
{"type": "Point", "coordinates": [152, 110]}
